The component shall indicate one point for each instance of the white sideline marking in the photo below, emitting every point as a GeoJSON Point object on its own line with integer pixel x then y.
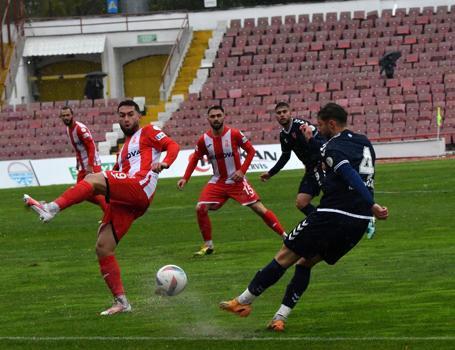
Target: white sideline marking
{"type": "Point", "coordinates": [321, 339]}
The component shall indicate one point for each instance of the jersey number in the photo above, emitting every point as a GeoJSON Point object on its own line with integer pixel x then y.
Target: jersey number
{"type": "Point", "coordinates": [366, 165]}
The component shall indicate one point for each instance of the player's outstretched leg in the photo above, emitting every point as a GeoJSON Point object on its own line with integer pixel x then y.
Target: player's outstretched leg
{"type": "Point", "coordinates": [46, 211]}
{"type": "Point", "coordinates": [263, 279]}
{"type": "Point", "coordinates": [205, 227]}
{"type": "Point", "coordinates": [110, 271]}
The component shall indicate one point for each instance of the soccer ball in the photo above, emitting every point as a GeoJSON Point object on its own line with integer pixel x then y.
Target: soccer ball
{"type": "Point", "coordinates": [170, 280]}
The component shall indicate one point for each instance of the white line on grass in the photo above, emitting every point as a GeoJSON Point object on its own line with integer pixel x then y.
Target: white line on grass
{"type": "Point", "coordinates": [316, 339]}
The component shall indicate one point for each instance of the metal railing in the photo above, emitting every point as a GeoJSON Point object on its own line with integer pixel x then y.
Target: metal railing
{"type": "Point", "coordinates": [13, 19]}
{"type": "Point", "coordinates": [174, 59]}
{"type": "Point", "coordinates": [35, 27]}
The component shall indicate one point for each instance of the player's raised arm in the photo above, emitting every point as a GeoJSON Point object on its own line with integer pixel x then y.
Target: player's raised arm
{"type": "Point", "coordinates": [89, 145]}
{"type": "Point", "coordinates": [281, 162]}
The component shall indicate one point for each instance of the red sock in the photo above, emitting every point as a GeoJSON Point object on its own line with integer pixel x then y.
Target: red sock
{"type": "Point", "coordinates": [98, 200]}
{"type": "Point", "coordinates": [76, 194]}
{"type": "Point", "coordinates": [272, 221]}
{"type": "Point", "coordinates": [111, 274]}
{"type": "Point", "coordinates": [204, 222]}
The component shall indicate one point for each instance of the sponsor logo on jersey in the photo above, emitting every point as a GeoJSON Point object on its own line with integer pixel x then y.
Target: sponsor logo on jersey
{"type": "Point", "coordinates": [133, 154]}
{"type": "Point", "coordinates": [160, 135]}
{"type": "Point", "coordinates": [85, 135]}
{"type": "Point", "coordinates": [222, 155]}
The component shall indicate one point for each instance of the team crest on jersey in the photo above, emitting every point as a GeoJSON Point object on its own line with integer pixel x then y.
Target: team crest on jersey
{"type": "Point", "coordinates": [294, 135]}
{"type": "Point", "coordinates": [160, 135]}
{"type": "Point", "coordinates": [85, 135]}
{"type": "Point", "coordinates": [244, 138]}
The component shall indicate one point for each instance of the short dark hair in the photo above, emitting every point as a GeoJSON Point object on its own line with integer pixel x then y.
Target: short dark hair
{"type": "Point", "coordinates": [281, 104]}
{"type": "Point", "coordinates": [129, 103]}
{"type": "Point", "coordinates": [217, 107]}
{"type": "Point", "coordinates": [333, 111]}
{"type": "Point", "coordinates": [67, 107]}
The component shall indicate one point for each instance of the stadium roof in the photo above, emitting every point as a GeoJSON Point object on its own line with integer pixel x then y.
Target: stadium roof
{"type": "Point", "coordinates": [64, 45]}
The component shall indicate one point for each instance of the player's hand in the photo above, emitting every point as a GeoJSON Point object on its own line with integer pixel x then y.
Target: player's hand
{"type": "Point", "coordinates": [89, 169]}
{"type": "Point", "coordinates": [158, 167]}
{"type": "Point", "coordinates": [307, 131]}
{"type": "Point", "coordinates": [238, 176]}
{"type": "Point", "coordinates": [380, 212]}
{"type": "Point", "coordinates": [265, 176]}
{"type": "Point", "coordinates": [181, 184]}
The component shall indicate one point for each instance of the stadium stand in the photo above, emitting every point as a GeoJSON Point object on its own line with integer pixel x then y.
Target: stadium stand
{"type": "Point", "coordinates": [333, 57]}
{"type": "Point", "coordinates": [35, 131]}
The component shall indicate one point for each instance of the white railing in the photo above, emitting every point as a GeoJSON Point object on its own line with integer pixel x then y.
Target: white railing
{"type": "Point", "coordinates": [175, 59]}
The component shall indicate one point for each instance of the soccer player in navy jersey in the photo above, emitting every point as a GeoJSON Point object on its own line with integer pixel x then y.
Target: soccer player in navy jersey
{"type": "Point", "coordinates": [293, 140]}
{"type": "Point", "coordinates": [338, 224]}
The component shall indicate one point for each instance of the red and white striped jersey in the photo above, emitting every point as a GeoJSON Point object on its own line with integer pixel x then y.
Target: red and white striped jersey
{"type": "Point", "coordinates": [83, 144]}
{"type": "Point", "coordinates": [142, 149]}
{"type": "Point", "coordinates": [223, 153]}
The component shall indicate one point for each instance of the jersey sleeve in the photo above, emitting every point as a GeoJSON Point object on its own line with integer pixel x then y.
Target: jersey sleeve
{"type": "Point", "coordinates": [163, 142]}
{"type": "Point", "coordinates": [246, 145]}
{"type": "Point", "coordinates": [83, 133]}
{"type": "Point", "coordinates": [285, 147]}
{"type": "Point", "coordinates": [334, 158]}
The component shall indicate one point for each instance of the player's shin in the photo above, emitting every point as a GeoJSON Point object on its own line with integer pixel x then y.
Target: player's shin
{"type": "Point", "coordinates": [263, 279]}
{"type": "Point", "coordinates": [75, 194]}
{"type": "Point", "coordinates": [295, 289]}
{"type": "Point", "coordinates": [271, 220]}
{"type": "Point", "coordinates": [111, 273]}
{"type": "Point", "coordinates": [205, 225]}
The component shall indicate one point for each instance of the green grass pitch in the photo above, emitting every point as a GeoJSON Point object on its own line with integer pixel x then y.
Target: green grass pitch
{"type": "Point", "coordinates": [396, 291]}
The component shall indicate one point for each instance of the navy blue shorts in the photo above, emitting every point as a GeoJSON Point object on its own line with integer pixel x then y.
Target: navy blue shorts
{"type": "Point", "coordinates": [329, 235]}
{"type": "Point", "coordinates": [309, 185]}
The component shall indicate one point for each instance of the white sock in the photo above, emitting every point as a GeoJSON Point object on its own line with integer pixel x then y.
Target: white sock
{"type": "Point", "coordinates": [122, 299]}
{"type": "Point", "coordinates": [246, 297]}
{"type": "Point", "coordinates": [282, 313]}
{"type": "Point", "coordinates": [53, 207]}
{"type": "Point", "coordinates": [209, 244]}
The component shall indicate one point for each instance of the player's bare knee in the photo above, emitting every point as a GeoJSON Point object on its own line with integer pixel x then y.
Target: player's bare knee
{"type": "Point", "coordinates": [202, 208]}
{"type": "Point", "coordinates": [101, 249]}
{"type": "Point", "coordinates": [286, 257]}
{"type": "Point", "coordinates": [97, 181]}
{"type": "Point", "coordinates": [301, 203]}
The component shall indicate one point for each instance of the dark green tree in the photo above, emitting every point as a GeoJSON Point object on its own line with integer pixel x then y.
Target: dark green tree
{"type": "Point", "coordinates": [64, 8]}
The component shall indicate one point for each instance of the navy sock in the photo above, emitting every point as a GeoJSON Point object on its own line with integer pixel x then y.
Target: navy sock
{"type": "Point", "coordinates": [266, 277]}
{"type": "Point", "coordinates": [297, 286]}
{"type": "Point", "coordinates": [308, 209]}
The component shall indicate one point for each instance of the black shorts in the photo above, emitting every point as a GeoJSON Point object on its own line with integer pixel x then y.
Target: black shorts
{"type": "Point", "coordinates": [329, 235]}
{"type": "Point", "coordinates": [309, 184]}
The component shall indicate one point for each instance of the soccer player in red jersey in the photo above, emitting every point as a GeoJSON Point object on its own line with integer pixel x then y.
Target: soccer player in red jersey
{"type": "Point", "coordinates": [221, 145]}
{"type": "Point", "coordinates": [129, 190]}
{"type": "Point", "coordinates": [87, 157]}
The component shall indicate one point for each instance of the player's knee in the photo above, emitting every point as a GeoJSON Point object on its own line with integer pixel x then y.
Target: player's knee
{"type": "Point", "coordinates": [301, 203]}
{"type": "Point", "coordinates": [97, 181]}
{"type": "Point", "coordinates": [201, 209]}
{"type": "Point", "coordinates": [102, 249]}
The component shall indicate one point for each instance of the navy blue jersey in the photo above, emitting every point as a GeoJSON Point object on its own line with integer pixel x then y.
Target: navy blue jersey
{"type": "Point", "coordinates": [293, 140]}
{"type": "Point", "coordinates": [355, 149]}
